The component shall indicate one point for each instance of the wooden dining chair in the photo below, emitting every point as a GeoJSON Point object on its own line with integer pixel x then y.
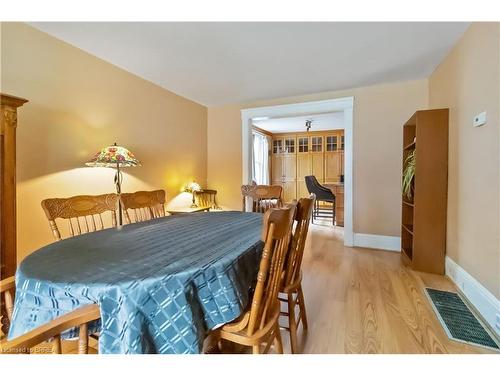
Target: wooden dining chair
{"type": "Point", "coordinates": [259, 324]}
{"type": "Point", "coordinates": [207, 198]}
{"type": "Point", "coordinates": [144, 205]}
{"type": "Point", "coordinates": [83, 212]}
{"type": "Point", "coordinates": [51, 330]}
{"type": "Point", "coordinates": [291, 289]}
{"type": "Point", "coordinates": [263, 197]}
{"type": "Point", "coordinates": [7, 288]}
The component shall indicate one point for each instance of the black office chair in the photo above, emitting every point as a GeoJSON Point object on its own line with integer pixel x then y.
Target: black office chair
{"type": "Point", "coordinates": [323, 194]}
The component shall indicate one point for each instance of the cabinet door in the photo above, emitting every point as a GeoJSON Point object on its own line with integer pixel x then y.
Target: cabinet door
{"type": "Point", "coordinates": [316, 144]}
{"type": "Point", "coordinates": [289, 145]}
{"type": "Point", "coordinates": [277, 168]}
{"type": "Point", "coordinates": [332, 166]}
{"type": "Point", "coordinates": [341, 162]}
{"type": "Point", "coordinates": [303, 166]}
{"type": "Point", "coordinates": [317, 166]}
{"type": "Point", "coordinates": [339, 201]}
{"type": "Point", "coordinates": [289, 191]}
{"type": "Point", "coordinates": [289, 167]}
{"type": "Point", "coordinates": [302, 191]}
{"type": "Point", "coordinates": [303, 144]}
{"type": "Point", "coordinates": [277, 146]}
{"type": "Point", "coordinates": [332, 143]}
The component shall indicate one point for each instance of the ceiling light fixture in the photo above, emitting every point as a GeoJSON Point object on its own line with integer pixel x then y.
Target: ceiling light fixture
{"type": "Point", "coordinates": [308, 124]}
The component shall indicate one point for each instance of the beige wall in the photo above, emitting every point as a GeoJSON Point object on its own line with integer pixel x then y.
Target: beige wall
{"type": "Point", "coordinates": [78, 104]}
{"type": "Point", "coordinates": [468, 82]}
{"type": "Point", "coordinates": [379, 114]}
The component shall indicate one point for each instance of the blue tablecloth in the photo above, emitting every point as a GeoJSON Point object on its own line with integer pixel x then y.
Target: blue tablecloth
{"type": "Point", "coordinates": [160, 285]}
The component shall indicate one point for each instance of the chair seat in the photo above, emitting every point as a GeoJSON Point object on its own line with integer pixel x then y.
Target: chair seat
{"type": "Point", "coordinates": [293, 286]}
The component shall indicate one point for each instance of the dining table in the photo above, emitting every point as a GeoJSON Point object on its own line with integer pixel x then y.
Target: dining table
{"type": "Point", "coordinates": [161, 285]}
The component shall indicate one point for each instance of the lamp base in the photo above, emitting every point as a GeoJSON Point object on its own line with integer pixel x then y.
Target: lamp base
{"type": "Point", "coordinates": [193, 205]}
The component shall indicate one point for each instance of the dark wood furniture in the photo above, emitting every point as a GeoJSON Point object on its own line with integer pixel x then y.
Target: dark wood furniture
{"type": "Point", "coordinates": [423, 227]}
{"type": "Point", "coordinates": [8, 124]}
{"type": "Point", "coordinates": [8, 243]}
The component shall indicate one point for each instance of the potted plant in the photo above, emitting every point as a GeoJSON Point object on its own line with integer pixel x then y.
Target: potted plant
{"type": "Point", "coordinates": [409, 175]}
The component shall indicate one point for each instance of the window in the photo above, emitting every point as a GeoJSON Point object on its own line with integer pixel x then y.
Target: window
{"type": "Point", "coordinates": [331, 143]}
{"type": "Point", "coordinates": [260, 165]}
{"type": "Point", "coordinates": [316, 144]}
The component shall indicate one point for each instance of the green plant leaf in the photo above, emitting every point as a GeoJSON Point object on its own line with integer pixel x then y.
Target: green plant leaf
{"type": "Point", "coordinates": [408, 175]}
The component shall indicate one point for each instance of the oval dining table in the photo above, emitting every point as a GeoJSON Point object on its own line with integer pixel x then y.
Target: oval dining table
{"type": "Point", "coordinates": [161, 285]}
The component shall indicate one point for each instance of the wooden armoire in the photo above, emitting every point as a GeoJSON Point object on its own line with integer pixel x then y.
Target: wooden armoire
{"type": "Point", "coordinates": [8, 124]}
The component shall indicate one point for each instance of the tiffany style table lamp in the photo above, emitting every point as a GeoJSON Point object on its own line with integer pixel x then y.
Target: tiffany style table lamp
{"type": "Point", "coordinates": [192, 188]}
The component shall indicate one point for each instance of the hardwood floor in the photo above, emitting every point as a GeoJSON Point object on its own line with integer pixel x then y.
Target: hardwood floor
{"type": "Point", "coordinates": [365, 301]}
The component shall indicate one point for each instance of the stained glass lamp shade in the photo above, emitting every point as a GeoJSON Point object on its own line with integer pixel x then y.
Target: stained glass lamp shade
{"type": "Point", "coordinates": [115, 157]}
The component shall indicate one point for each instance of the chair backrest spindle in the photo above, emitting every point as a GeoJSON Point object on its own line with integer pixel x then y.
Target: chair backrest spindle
{"type": "Point", "coordinates": [263, 197]}
{"type": "Point", "coordinates": [145, 205]}
{"type": "Point", "coordinates": [207, 198]}
{"type": "Point", "coordinates": [79, 208]}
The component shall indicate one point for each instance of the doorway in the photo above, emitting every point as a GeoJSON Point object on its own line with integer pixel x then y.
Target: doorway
{"type": "Point", "coordinates": [322, 147]}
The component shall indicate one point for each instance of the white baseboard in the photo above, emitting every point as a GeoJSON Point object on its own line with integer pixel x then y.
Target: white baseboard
{"type": "Point", "coordinates": [480, 297]}
{"type": "Point", "coordinates": [375, 241]}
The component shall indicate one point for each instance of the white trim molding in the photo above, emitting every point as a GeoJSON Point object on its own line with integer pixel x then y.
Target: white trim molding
{"type": "Point", "coordinates": [375, 241]}
{"type": "Point", "coordinates": [481, 298]}
{"type": "Point", "coordinates": [308, 108]}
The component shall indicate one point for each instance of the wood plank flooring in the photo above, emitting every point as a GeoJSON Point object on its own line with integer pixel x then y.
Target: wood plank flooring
{"type": "Point", "coordinates": [365, 301]}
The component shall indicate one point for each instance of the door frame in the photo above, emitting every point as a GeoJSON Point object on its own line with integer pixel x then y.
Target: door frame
{"type": "Point", "coordinates": [345, 104]}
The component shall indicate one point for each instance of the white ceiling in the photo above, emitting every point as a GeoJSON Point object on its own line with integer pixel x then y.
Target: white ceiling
{"type": "Point", "coordinates": [326, 121]}
{"type": "Point", "coordinates": [222, 63]}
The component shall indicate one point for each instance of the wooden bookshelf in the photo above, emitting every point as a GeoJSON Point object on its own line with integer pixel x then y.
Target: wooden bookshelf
{"type": "Point", "coordinates": [423, 226]}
